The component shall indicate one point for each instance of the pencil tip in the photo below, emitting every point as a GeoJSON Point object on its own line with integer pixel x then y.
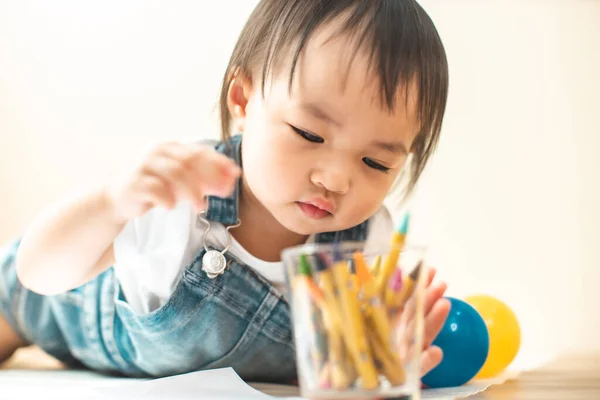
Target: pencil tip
{"type": "Point", "coordinates": [404, 224]}
{"type": "Point", "coordinates": [361, 270]}
{"type": "Point", "coordinates": [322, 262]}
{"type": "Point", "coordinates": [304, 267]}
{"type": "Point", "coordinates": [415, 272]}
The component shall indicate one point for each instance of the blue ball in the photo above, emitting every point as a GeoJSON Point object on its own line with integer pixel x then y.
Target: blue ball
{"type": "Point", "coordinates": [465, 341]}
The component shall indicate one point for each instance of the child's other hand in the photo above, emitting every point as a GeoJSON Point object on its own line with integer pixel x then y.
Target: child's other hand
{"type": "Point", "coordinates": [436, 310]}
{"type": "Point", "coordinates": [171, 173]}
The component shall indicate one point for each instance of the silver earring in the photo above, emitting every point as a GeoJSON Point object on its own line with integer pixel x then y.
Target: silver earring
{"type": "Point", "coordinates": [213, 261]}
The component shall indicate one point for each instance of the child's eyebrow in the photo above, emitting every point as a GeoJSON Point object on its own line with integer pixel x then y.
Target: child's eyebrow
{"type": "Point", "coordinates": [318, 112]}
{"type": "Point", "coordinates": [392, 147]}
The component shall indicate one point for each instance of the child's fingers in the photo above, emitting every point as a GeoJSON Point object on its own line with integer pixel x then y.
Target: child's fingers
{"type": "Point", "coordinates": [216, 173]}
{"type": "Point", "coordinates": [430, 359]}
{"type": "Point", "coordinates": [175, 177]}
{"type": "Point", "coordinates": [210, 165]}
{"type": "Point", "coordinates": [429, 276]}
{"type": "Point", "coordinates": [175, 164]}
{"type": "Point", "coordinates": [409, 307]}
{"type": "Point", "coordinates": [432, 294]}
{"type": "Point", "coordinates": [436, 312]}
{"type": "Point", "coordinates": [225, 164]}
{"type": "Point", "coordinates": [154, 191]}
{"type": "Point", "coordinates": [201, 169]}
{"type": "Point", "coordinates": [435, 320]}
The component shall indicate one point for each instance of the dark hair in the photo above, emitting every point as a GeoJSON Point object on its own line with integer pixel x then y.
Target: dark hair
{"type": "Point", "coordinates": [403, 44]}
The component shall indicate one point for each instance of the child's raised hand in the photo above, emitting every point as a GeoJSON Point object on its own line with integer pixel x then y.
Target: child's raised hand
{"type": "Point", "coordinates": [170, 173]}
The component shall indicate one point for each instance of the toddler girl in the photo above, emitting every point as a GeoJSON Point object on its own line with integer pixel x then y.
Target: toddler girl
{"type": "Point", "coordinates": [176, 266]}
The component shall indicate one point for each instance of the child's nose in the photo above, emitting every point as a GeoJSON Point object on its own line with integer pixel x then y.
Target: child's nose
{"type": "Point", "coordinates": [333, 177]}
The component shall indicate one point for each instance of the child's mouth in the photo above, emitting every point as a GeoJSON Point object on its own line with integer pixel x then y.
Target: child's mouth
{"type": "Point", "coordinates": [313, 211]}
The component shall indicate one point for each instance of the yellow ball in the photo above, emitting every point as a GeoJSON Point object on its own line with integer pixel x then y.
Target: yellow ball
{"type": "Point", "coordinates": [504, 332]}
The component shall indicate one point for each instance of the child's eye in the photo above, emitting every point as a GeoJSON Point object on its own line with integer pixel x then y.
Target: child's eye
{"type": "Point", "coordinates": [376, 165]}
{"type": "Point", "coordinates": [308, 136]}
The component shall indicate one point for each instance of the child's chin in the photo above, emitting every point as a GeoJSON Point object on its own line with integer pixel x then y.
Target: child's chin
{"type": "Point", "coordinates": [303, 225]}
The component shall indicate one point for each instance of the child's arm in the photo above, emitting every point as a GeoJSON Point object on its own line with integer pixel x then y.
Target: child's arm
{"type": "Point", "coordinates": [71, 242]}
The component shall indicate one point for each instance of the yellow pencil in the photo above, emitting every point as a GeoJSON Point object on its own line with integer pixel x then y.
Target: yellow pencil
{"type": "Point", "coordinates": [408, 287]}
{"type": "Point", "coordinates": [398, 239]}
{"type": "Point", "coordinates": [388, 361]}
{"type": "Point", "coordinates": [376, 310]}
{"type": "Point", "coordinates": [329, 290]}
{"type": "Point", "coordinates": [340, 379]}
{"type": "Point", "coordinates": [336, 370]}
{"type": "Point", "coordinates": [349, 365]}
{"type": "Point", "coordinates": [327, 295]}
{"type": "Point", "coordinates": [355, 331]}
{"type": "Point", "coordinates": [333, 325]}
{"type": "Point", "coordinates": [376, 267]}
{"type": "Point", "coordinates": [393, 289]}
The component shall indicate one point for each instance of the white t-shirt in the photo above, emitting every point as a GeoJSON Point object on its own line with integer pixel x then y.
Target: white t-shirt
{"type": "Point", "coordinates": [152, 251]}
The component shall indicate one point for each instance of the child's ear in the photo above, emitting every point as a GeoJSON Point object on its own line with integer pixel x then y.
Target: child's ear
{"type": "Point", "coordinates": [238, 95]}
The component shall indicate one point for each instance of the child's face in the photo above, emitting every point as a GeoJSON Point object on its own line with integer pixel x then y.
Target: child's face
{"type": "Point", "coordinates": [338, 174]}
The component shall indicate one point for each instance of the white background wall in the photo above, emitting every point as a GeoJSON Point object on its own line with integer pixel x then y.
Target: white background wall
{"type": "Point", "coordinates": [509, 204]}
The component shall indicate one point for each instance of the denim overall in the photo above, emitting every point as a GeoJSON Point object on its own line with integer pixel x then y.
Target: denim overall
{"type": "Point", "coordinates": [236, 320]}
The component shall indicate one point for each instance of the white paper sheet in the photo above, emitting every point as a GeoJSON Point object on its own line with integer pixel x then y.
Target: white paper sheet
{"type": "Point", "coordinates": [469, 389]}
{"type": "Point", "coordinates": [215, 384]}
{"type": "Point", "coordinates": [54, 384]}
{"type": "Point", "coordinates": [226, 384]}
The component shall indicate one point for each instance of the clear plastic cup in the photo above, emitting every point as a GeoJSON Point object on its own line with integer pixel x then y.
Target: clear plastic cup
{"type": "Point", "coordinates": [357, 319]}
